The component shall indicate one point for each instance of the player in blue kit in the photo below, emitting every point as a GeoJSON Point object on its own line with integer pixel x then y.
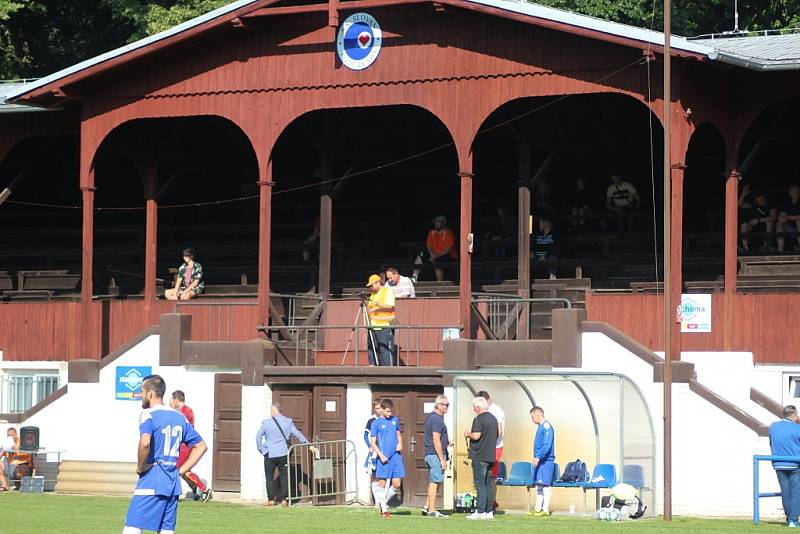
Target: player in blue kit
{"type": "Point", "coordinates": [161, 431]}
{"type": "Point", "coordinates": [387, 443]}
{"type": "Point", "coordinates": [544, 460]}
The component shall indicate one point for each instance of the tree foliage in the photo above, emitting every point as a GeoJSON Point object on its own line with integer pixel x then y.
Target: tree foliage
{"type": "Point", "coordinates": [38, 37]}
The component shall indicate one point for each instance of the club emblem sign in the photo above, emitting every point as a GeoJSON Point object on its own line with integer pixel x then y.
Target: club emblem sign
{"type": "Point", "coordinates": [359, 41]}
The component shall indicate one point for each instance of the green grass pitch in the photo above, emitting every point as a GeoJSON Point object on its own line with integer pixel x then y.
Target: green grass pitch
{"type": "Point", "coordinates": [62, 514]}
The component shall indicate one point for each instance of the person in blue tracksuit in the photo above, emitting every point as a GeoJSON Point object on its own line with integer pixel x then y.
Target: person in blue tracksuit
{"type": "Point", "coordinates": [544, 461]}
{"type": "Point", "coordinates": [784, 440]}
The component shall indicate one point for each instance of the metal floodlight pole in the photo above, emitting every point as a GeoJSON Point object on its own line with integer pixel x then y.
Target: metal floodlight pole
{"type": "Point", "coordinates": [668, 310]}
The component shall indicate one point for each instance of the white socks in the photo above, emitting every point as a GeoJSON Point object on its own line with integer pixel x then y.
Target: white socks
{"type": "Point", "coordinates": [166, 532]}
{"type": "Point", "coordinates": [391, 492]}
{"type": "Point", "coordinates": [131, 530]}
{"type": "Point", "coordinates": [380, 493]}
{"type": "Point", "coordinates": [543, 496]}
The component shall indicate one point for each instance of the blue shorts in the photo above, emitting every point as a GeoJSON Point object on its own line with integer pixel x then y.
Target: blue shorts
{"type": "Point", "coordinates": [435, 473]}
{"type": "Point", "coordinates": [543, 474]}
{"type": "Point", "coordinates": [394, 468]}
{"type": "Point", "coordinates": [153, 512]}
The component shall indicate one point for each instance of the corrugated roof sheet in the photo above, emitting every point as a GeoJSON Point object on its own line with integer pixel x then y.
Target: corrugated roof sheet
{"type": "Point", "coordinates": [762, 52]}
{"type": "Point", "coordinates": [7, 88]}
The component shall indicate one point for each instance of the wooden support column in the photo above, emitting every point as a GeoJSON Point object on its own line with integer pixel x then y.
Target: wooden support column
{"type": "Point", "coordinates": [731, 244]}
{"type": "Point", "coordinates": [465, 257]}
{"type": "Point", "coordinates": [523, 222]}
{"type": "Point", "coordinates": [676, 260]}
{"type": "Point", "coordinates": [88, 350]}
{"type": "Point", "coordinates": [265, 184]}
{"type": "Point", "coordinates": [151, 239]}
{"type": "Point", "coordinates": [325, 236]}
{"type": "Point", "coordinates": [524, 236]}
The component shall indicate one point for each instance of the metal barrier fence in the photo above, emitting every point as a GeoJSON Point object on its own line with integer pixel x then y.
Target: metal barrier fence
{"type": "Point", "coordinates": [410, 342]}
{"type": "Point", "coordinates": [323, 472]}
{"type": "Point", "coordinates": [510, 316]}
{"type": "Point", "coordinates": [757, 495]}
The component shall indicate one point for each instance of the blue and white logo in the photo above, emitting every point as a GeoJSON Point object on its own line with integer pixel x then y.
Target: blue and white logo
{"type": "Point", "coordinates": [359, 41]}
{"type": "Point", "coordinates": [129, 382]}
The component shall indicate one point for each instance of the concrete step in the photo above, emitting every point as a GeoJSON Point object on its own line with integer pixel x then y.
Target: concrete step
{"type": "Point", "coordinates": [96, 478]}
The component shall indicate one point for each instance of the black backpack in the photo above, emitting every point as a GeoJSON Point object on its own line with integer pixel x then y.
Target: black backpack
{"type": "Point", "coordinates": [575, 472]}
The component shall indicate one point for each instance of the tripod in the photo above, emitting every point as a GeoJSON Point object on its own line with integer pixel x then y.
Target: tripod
{"type": "Point", "coordinates": [362, 313]}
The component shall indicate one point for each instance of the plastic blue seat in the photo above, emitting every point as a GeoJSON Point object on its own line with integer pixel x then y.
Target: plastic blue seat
{"type": "Point", "coordinates": [633, 475]}
{"type": "Point", "coordinates": [521, 474]}
{"type": "Point", "coordinates": [561, 484]}
{"type": "Point", "coordinates": [556, 474]}
{"type": "Point", "coordinates": [608, 472]}
{"type": "Point", "coordinates": [502, 473]}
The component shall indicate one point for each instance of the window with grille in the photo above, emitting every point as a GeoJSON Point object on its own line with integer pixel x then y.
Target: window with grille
{"type": "Point", "coordinates": [21, 392]}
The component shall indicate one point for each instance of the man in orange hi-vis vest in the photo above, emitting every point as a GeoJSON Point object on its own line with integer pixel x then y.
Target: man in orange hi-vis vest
{"type": "Point", "coordinates": [380, 336]}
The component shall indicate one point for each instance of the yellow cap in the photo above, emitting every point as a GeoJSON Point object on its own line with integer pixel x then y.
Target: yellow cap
{"type": "Point", "coordinates": [373, 278]}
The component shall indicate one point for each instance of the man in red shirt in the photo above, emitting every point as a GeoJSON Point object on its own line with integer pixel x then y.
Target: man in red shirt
{"type": "Point", "coordinates": [440, 248]}
{"type": "Point", "coordinates": [198, 485]}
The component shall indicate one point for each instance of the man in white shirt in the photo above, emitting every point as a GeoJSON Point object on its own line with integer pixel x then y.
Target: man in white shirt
{"type": "Point", "coordinates": [402, 286]}
{"type": "Point", "coordinates": [500, 415]}
{"type": "Point", "coordinates": [622, 196]}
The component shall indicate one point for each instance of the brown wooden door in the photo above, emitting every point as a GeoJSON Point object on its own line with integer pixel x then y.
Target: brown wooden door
{"type": "Point", "coordinates": [227, 432]}
{"type": "Point", "coordinates": [330, 420]}
{"type": "Point", "coordinates": [297, 402]}
{"type": "Point", "coordinates": [409, 406]}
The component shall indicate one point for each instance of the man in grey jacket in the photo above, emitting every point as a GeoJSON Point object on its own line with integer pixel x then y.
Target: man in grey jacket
{"type": "Point", "coordinates": [273, 442]}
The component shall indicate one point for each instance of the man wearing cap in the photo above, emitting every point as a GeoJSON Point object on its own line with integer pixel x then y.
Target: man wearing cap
{"type": "Point", "coordinates": [441, 248]}
{"type": "Point", "coordinates": [380, 338]}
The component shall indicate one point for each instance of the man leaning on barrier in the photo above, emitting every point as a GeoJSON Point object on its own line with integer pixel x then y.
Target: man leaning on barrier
{"type": "Point", "coordinates": [273, 440]}
{"type": "Point", "coordinates": [784, 440]}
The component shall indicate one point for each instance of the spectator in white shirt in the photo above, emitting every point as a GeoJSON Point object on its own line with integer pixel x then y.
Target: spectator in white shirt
{"type": "Point", "coordinates": [402, 286]}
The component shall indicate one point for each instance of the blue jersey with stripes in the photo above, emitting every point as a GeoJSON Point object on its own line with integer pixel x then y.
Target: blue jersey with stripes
{"type": "Point", "coordinates": [544, 447]}
{"type": "Point", "coordinates": [385, 433]}
{"type": "Point", "coordinates": [168, 429]}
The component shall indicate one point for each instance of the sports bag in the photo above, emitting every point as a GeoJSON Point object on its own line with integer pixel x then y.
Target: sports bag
{"type": "Point", "coordinates": [575, 472]}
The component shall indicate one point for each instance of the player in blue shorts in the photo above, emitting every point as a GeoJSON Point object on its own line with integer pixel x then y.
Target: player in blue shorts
{"type": "Point", "coordinates": [387, 443]}
{"type": "Point", "coordinates": [161, 431]}
{"type": "Point", "coordinates": [544, 460]}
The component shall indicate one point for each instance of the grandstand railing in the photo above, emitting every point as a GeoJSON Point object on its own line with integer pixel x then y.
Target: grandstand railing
{"type": "Point", "coordinates": [324, 472]}
{"type": "Point", "coordinates": [503, 314]}
{"type": "Point", "coordinates": [220, 315]}
{"type": "Point", "coordinates": [757, 495]}
{"type": "Point", "coordinates": [411, 342]}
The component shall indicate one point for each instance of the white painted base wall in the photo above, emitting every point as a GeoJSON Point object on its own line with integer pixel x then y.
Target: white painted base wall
{"type": "Point", "coordinates": [89, 424]}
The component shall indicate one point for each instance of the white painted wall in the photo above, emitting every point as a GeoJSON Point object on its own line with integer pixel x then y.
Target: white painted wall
{"type": "Point", "coordinates": [255, 408]}
{"type": "Point", "coordinates": [89, 424]}
{"type": "Point", "coordinates": [359, 410]}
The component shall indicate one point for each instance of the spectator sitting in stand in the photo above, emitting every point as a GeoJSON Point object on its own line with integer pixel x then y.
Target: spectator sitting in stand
{"type": "Point", "coordinates": [545, 245]}
{"type": "Point", "coordinates": [189, 282]}
{"type": "Point", "coordinates": [789, 218]}
{"type": "Point", "coordinates": [402, 286]}
{"type": "Point", "coordinates": [622, 198]}
{"type": "Point", "coordinates": [440, 250]}
{"type": "Point", "coordinates": [758, 217]}
{"type": "Point", "coordinates": [503, 231]}
{"type": "Point", "coordinates": [580, 205]}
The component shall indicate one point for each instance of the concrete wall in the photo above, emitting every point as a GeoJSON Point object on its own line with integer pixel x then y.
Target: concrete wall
{"type": "Point", "coordinates": [89, 424]}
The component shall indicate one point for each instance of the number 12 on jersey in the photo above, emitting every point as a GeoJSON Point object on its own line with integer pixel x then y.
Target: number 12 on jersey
{"type": "Point", "coordinates": [173, 436]}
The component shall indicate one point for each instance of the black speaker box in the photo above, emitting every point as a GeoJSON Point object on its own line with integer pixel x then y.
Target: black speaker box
{"type": "Point", "coordinates": [29, 438]}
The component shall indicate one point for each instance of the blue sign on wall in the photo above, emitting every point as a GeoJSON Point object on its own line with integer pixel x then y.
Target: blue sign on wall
{"type": "Point", "coordinates": [129, 382]}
